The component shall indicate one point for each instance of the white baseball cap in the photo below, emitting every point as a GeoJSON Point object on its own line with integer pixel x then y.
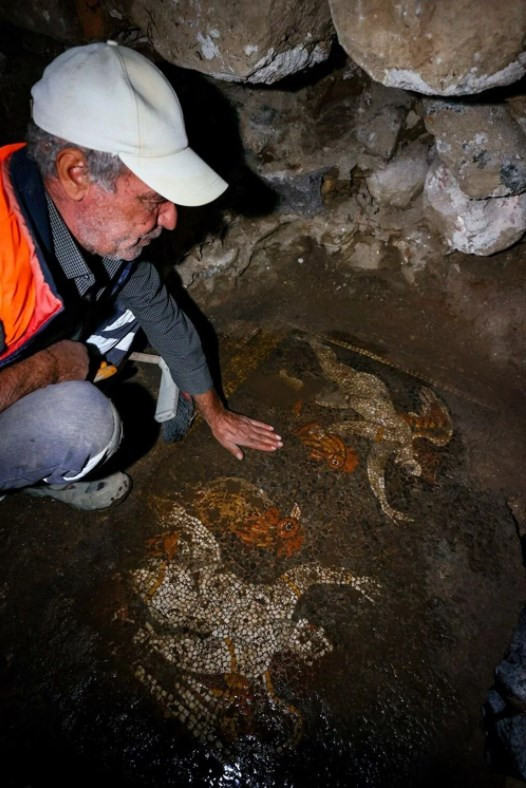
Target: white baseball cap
{"type": "Point", "coordinates": [110, 98]}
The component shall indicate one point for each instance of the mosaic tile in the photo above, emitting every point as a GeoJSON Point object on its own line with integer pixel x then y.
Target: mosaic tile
{"type": "Point", "coordinates": [209, 622]}
{"type": "Point", "coordinates": [298, 581]}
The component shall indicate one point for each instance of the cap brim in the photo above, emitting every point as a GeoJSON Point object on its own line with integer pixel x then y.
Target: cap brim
{"type": "Point", "coordinates": [183, 177]}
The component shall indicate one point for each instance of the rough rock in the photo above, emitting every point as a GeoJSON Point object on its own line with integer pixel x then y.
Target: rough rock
{"type": "Point", "coordinates": [419, 250]}
{"type": "Point", "coordinates": [300, 193]}
{"type": "Point", "coordinates": [303, 143]}
{"type": "Point", "coordinates": [367, 255]}
{"type": "Point", "coordinates": [63, 20]}
{"type": "Point", "coordinates": [228, 253]}
{"type": "Point", "coordinates": [505, 708]}
{"type": "Point", "coordinates": [300, 143]}
{"type": "Point", "coordinates": [241, 41]}
{"type": "Point", "coordinates": [380, 117]}
{"type": "Point", "coordinates": [299, 130]}
{"type": "Point", "coordinates": [480, 227]}
{"type": "Point", "coordinates": [441, 47]}
{"type": "Point", "coordinates": [357, 233]}
{"type": "Point", "coordinates": [399, 181]}
{"type": "Point", "coordinates": [517, 109]}
{"type": "Point", "coordinates": [483, 146]}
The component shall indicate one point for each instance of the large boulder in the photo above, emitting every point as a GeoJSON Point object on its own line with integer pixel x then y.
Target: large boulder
{"type": "Point", "coordinates": [483, 146]}
{"type": "Point", "coordinates": [480, 227]}
{"type": "Point", "coordinates": [443, 47]}
{"type": "Point", "coordinates": [239, 40]}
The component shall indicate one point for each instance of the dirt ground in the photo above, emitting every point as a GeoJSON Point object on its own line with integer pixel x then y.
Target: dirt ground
{"type": "Point", "coordinates": [373, 685]}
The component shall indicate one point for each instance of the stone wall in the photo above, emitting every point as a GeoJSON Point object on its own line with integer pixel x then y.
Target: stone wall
{"type": "Point", "coordinates": [408, 139]}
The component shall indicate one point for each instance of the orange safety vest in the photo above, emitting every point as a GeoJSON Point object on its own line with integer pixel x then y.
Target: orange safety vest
{"type": "Point", "coordinates": [27, 303]}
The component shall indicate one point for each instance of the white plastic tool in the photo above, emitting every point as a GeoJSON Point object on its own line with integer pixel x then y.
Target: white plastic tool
{"type": "Point", "coordinates": [168, 395]}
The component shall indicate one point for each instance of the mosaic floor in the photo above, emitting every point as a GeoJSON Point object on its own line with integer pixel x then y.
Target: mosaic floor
{"type": "Point", "coordinates": [327, 614]}
{"type": "Point", "coordinates": [304, 606]}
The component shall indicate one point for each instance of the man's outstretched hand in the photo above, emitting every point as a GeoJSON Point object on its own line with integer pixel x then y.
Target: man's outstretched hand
{"type": "Point", "coordinates": [232, 430]}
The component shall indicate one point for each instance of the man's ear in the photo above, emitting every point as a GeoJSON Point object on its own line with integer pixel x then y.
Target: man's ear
{"type": "Point", "coordinates": [72, 172]}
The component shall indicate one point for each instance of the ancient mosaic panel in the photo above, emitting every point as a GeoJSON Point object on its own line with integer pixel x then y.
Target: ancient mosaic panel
{"type": "Point", "coordinates": [263, 589]}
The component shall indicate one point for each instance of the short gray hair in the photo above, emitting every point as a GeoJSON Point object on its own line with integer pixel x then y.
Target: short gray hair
{"type": "Point", "coordinates": [43, 148]}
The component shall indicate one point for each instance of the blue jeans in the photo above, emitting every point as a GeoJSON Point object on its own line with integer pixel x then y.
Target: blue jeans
{"type": "Point", "coordinates": [61, 432]}
{"type": "Point", "coordinates": [56, 434]}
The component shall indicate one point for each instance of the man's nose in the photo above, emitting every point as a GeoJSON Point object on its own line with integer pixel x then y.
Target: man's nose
{"type": "Point", "coordinates": [167, 216]}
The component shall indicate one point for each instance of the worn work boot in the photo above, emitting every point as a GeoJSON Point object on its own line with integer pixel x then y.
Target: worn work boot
{"type": "Point", "coordinates": [98, 494]}
{"type": "Point", "coordinates": [175, 429]}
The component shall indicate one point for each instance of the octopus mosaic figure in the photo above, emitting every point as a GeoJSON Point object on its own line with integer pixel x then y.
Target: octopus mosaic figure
{"type": "Point", "coordinates": [373, 416]}
{"type": "Point", "coordinates": [216, 634]}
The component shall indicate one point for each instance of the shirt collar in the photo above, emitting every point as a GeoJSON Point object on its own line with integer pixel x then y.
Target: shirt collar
{"type": "Point", "coordinates": [69, 255]}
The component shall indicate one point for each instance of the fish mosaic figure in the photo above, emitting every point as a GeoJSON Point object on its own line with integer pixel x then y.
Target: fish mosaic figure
{"type": "Point", "coordinates": [327, 447]}
{"type": "Point", "coordinates": [373, 416]}
{"type": "Point", "coordinates": [230, 503]}
{"type": "Point", "coordinates": [215, 635]}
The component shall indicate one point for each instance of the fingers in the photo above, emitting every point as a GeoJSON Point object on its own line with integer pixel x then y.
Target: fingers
{"type": "Point", "coordinates": [234, 430]}
{"type": "Point", "coordinates": [257, 424]}
{"type": "Point", "coordinates": [256, 435]}
{"type": "Point", "coordinates": [233, 449]}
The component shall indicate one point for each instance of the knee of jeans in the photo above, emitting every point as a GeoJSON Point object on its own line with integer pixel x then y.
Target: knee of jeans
{"type": "Point", "coordinates": [57, 433]}
{"type": "Point", "coordinates": [99, 453]}
{"type": "Point", "coordinates": [85, 414]}
{"type": "Point", "coordinates": [88, 428]}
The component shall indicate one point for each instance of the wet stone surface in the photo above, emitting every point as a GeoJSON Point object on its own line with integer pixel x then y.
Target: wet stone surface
{"type": "Point", "coordinates": [327, 614]}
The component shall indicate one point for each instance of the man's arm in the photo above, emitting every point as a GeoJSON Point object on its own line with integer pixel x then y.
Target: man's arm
{"type": "Point", "coordinates": [232, 430]}
{"type": "Point", "coordinates": [174, 337]}
{"type": "Point", "coordinates": [65, 360]}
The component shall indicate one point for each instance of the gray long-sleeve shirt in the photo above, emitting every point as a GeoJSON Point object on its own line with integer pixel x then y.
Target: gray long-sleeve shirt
{"type": "Point", "coordinates": [168, 329]}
